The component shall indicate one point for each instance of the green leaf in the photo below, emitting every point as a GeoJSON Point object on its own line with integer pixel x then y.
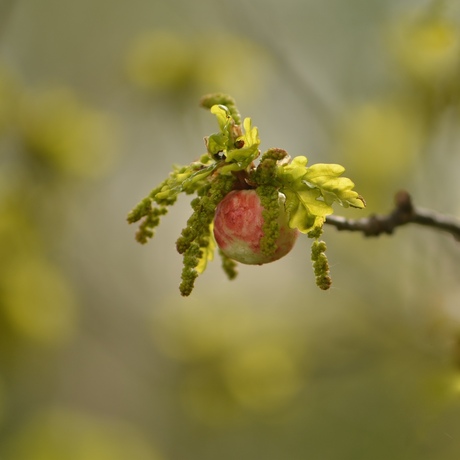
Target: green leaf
{"type": "Point", "coordinates": [251, 134]}
{"type": "Point", "coordinates": [216, 143]}
{"type": "Point", "coordinates": [320, 170]}
{"type": "Point", "coordinates": [236, 159]}
{"type": "Point", "coordinates": [224, 139]}
{"type": "Point", "coordinates": [295, 170]}
{"type": "Point", "coordinates": [207, 253]}
{"type": "Point", "coordinates": [311, 191]}
{"type": "Point", "coordinates": [333, 188]}
{"type": "Point", "coordinates": [244, 156]}
{"type": "Point", "coordinates": [311, 199]}
{"type": "Point", "coordinates": [304, 209]}
{"type": "Point", "coordinates": [223, 116]}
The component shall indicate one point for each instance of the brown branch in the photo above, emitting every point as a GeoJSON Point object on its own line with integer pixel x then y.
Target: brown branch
{"type": "Point", "coordinates": [404, 213]}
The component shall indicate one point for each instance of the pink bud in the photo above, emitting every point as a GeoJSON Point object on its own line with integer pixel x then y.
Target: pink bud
{"type": "Point", "coordinates": [238, 228]}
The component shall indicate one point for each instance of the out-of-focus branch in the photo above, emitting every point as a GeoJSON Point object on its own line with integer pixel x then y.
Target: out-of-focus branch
{"type": "Point", "coordinates": [404, 213]}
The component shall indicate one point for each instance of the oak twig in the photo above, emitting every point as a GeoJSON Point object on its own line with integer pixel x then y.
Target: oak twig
{"type": "Point", "coordinates": [404, 213]}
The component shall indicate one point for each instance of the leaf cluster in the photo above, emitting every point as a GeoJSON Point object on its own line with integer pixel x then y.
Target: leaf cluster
{"type": "Point", "coordinates": [230, 163]}
{"type": "Point", "coordinates": [311, 191]}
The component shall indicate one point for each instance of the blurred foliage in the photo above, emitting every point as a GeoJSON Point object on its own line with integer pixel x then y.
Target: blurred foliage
{"type": "Point", "coordinates": [234, 361]}
{"type": "Point", "coordinates": [38, 302]}
{"type": "Point", "coordinates": [58, 433]}
{"type": "Point", "coordinates": [54, 128]}
{"type": "Point", "coordinates": [49, 136]}
{"type": "Point", "coordinates": [381, 140]}
{"type": "Point", "coordinates": [60, 131]}
{"type": "Point", "coordinates": [385, 137]}
{"type": "Point", "coordinates": [49, 139]}
{"type": "Point", "coordinates": [426, 46]}
{"type": "Point", "coordinates": [168, 61]}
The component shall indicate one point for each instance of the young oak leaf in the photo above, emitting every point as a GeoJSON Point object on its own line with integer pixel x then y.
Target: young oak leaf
{"type": "Point", "coordinates": [326, 177]}
{"type": "Point", "coordinates": [310, 192]}
{"type": "Point", "coordinates": [221, 141]}
{"type": "Point", "coordinates": [223, 116]}
{"type": "Point", "coordinates": [217, 143]}
{"type": "Point", "coordinates": [299, 197]}
{"type": "Point", "coordinates": [300, 216]}
{"type": "Point", "coordinates": [236, 159]}
{"type": "Point", "coordinates": [250, 151]}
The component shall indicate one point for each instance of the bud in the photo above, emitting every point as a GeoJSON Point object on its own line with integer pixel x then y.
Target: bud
{"type": "Point", "coordinates": [239, 228]}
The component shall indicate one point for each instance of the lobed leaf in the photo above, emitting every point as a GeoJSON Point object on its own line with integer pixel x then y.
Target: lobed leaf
{"type": "Point", "coordinates": [326, 177]}
{"type": "Point", "coordinates": [311, 191]}
{"type": "Point", "coordinates": [223, 116]}
{"type": "Point", "coordinates": [217, 143]}
{"type": "Point", "coordinates": [300, 216]}
{"type": "Point", "coordinates": [236, 159]}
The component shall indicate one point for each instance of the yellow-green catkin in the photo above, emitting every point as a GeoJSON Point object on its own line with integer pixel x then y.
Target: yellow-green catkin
{"type": "Point", "coordinates": [269, 199]}
{"type": "Point", "coordinates": [195, 237]}
{"type": "Point", "coordinates": [320, 265]}
{"type": "Point", "coordinates": [228, 265]}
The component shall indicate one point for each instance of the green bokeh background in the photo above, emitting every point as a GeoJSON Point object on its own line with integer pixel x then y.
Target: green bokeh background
{"type": "Point", "coordinates": [100, 357]}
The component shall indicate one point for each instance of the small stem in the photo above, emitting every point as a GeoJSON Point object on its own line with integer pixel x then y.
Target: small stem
{"type": "Point", "coordinates": [243, 181]}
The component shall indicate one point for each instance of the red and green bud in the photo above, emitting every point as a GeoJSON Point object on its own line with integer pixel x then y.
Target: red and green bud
{"type": "Point", "coordinates": [239, 229]}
